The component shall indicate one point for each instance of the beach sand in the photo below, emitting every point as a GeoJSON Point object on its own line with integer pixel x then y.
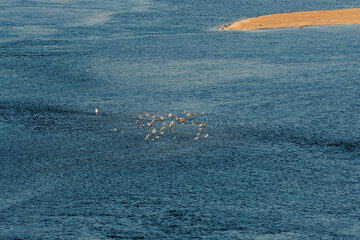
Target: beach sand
{"type": "Point", "coordinates": [297, 20]}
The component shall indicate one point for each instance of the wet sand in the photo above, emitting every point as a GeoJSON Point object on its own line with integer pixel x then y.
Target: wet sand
{"type": "Point", "coordinates": [297, 20]}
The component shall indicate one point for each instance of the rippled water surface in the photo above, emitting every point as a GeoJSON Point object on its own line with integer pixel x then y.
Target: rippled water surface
{"type": "Point", "coordinates": [281, 107]}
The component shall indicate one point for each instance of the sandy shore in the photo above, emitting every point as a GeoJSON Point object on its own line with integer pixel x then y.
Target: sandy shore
{"type": "Point", "coordinates": [297, 20]}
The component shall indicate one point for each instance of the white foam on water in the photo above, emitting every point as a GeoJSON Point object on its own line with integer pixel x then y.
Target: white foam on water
{"type": "Point", "coordinates": [280, 236]}
{"type": "Point", "coordinates": [96, 19]}
{"type": "Point", "coordinates": [35, 30]}
{"type": "Point", "coordinates": [141, 5]}
{"type": "Point", "coordinates": [54, 1]}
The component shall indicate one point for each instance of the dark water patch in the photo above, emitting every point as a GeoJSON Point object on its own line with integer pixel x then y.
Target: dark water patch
{"type": "Point", "coordinates": [33, 108]}
{"type": "Point", "coordinates": [307, 138]}
{"type": "Point", "coordinates": [44, 117]}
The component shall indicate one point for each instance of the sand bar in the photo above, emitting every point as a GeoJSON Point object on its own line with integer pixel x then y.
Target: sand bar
{"type": "Point", "coordinates": [297, 20]}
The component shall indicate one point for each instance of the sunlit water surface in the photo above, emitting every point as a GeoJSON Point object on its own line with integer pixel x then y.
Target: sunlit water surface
{"type": "Point", "coordinates": [282, 109]}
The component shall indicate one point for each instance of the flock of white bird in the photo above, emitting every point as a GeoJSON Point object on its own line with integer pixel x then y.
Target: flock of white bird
{"type": "Point", "coordinates": [157, 126]}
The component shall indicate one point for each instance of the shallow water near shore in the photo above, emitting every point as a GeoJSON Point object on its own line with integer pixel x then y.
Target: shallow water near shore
{"type": "Point", "coordinates": [281, 108]}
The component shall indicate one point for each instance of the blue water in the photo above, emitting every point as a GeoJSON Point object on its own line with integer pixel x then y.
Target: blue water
{"type": "Point", "coordinates": [282, 109]}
